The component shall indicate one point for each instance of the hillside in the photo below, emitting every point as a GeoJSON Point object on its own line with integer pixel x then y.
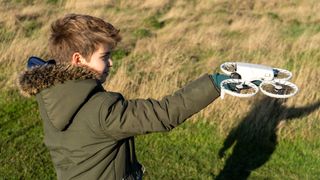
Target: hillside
{"type": "Point", "coordinates": [165, 45]}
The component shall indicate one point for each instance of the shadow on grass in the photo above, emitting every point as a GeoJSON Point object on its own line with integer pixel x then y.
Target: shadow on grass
{"type": "Point", "coordinates": [255, 137]}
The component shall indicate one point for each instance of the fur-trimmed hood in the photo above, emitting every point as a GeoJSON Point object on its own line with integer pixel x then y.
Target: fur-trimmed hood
{"type": "Point", "coordinates": [60, 90]}
{"type": "Point", "coordinates": [34, 80]}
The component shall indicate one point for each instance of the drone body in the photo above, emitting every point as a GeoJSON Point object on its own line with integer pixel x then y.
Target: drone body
{"type": "Point", "coordinates": [251, 72]}
{"type": "Point", "coordinates": [247, 79]}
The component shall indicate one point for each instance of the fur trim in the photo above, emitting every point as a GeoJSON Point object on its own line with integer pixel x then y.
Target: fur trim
{"type": "Point", "coordinates": [38, 78]}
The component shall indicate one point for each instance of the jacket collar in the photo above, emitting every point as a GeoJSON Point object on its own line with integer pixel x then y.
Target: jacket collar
{"type": "Point", "coordinates": [34, 80]}
{"type": "Point", "coordinates": [61, 91]}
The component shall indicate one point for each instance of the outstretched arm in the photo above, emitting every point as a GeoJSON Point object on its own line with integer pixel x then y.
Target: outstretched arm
{"type": "Point", "coordinates": [123, 118]}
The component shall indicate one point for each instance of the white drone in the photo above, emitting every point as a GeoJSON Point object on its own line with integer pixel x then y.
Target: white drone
{"type": "Point", "coordinates": [246, 77]}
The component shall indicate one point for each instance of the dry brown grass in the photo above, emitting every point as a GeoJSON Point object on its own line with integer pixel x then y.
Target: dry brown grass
{"type": "Point", "coordinates": [197, 37]}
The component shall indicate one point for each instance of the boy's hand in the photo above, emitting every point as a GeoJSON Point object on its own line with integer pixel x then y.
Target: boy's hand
{"type": "Point", "coordinates": [218, 78]}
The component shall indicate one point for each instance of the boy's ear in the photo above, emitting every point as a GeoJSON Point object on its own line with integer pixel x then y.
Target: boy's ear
{"type": "Point", "coordinates": [77, 59]}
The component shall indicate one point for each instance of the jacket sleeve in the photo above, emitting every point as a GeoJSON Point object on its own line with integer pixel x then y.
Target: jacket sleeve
{"type": "Point", "coordinates": [123, 118]}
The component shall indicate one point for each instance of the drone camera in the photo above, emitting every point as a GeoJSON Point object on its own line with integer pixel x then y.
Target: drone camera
{"type": "Point", "coordinates": [275, 72]}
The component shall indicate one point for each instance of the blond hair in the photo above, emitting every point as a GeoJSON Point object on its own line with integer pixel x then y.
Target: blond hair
{"type": "Point", "coordinates": [80, 33]}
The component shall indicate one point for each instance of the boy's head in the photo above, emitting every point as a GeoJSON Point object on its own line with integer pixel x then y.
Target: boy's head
{"type": "Point", "coordinates": [77, 39]}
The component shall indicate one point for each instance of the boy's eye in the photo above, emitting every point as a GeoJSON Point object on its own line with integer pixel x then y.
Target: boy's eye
{"type": "Point", "coordinates": [106, 57]}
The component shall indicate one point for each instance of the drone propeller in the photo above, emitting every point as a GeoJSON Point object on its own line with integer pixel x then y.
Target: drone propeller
{"type": "Point", "coordinates": [278, 88]}
{"type": "Point", "coordinates": [238, 87]}
{"type": "Point", "coordinates": [282, 74]}
{"type": "Point", "coordinates": [228, 68]}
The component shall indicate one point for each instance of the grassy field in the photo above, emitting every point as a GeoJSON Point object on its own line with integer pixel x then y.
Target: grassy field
{"type": "Point", "coordinates": [166, 44]}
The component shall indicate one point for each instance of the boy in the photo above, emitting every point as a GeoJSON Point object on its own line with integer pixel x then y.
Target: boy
{"type": "Point", "coordinates": [88, 130]}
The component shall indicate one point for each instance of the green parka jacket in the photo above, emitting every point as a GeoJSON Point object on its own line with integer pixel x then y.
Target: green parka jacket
{"type": "Point", "coordinates": [89, 131]}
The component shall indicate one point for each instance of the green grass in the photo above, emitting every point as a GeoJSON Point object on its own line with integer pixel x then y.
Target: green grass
{"type": "Point", "coordinates": [117, 58]}
{"type": "Point", "coordinates": [5, 35]}
{"type": "Point", "coordinates": [23, 154]}
{"type": "Point", "coordinates": [53, 1]}
{"type": "Point", "coordinates": [31, 27]}
{"type": "Point", "coordinates": [294, 29]}
{"type": "Point", "coordinates": [24, 2]}
{"type": "Point", "coordinates": [154, 22]}
{"type": "Point", "coordinates": [188, 152]}
{"type": "Point", "coordinates": [142, 33]}
{"type": "Point", "coordinates": [296, 159]}
{"type": "Point", "coordinates": [274, 16]}
{"type": "Point", "coordinates": [191, 152]}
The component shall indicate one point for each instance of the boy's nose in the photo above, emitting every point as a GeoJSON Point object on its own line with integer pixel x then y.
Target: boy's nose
{"type": "Point", "coordinates": [110, 63]}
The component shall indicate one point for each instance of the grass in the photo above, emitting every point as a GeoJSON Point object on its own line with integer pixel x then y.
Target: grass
{"type": "Point", "coordinates": [274, 16]}
{"type": "Point", "coordinates": [295, 29]}
{"type": "Point", "coordinates": [117, 58]}
{"type": "Point", "coordinates": [6, 35]}
{"type": "Point", "coordinates": [23, 154]}
{"type": "Point", "coordinates": [154, 22]}
{"type": "Point", "coordinates": [142, 33]}
{"type": "Point", "coordinates": [31, 27]}
{"type": "Point", "coordinates": [191, 152]}
{"type": "Point", "coordinates": [166, 44]}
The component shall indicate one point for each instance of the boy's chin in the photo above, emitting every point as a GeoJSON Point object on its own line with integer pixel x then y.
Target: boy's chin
{"type": "Point", "coordinates": [103, 77]}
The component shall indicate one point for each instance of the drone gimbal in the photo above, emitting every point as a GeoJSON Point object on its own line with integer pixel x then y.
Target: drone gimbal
{"type": "Point", "coordinates": [247, 79]}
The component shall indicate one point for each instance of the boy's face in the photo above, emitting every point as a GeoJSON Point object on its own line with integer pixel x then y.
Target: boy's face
{"type": "Point", "coordinates": [100, 61]}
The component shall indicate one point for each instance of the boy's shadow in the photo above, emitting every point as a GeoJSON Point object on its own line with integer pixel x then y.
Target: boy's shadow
{"type": "Point", "coordinates": [255, 137]}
